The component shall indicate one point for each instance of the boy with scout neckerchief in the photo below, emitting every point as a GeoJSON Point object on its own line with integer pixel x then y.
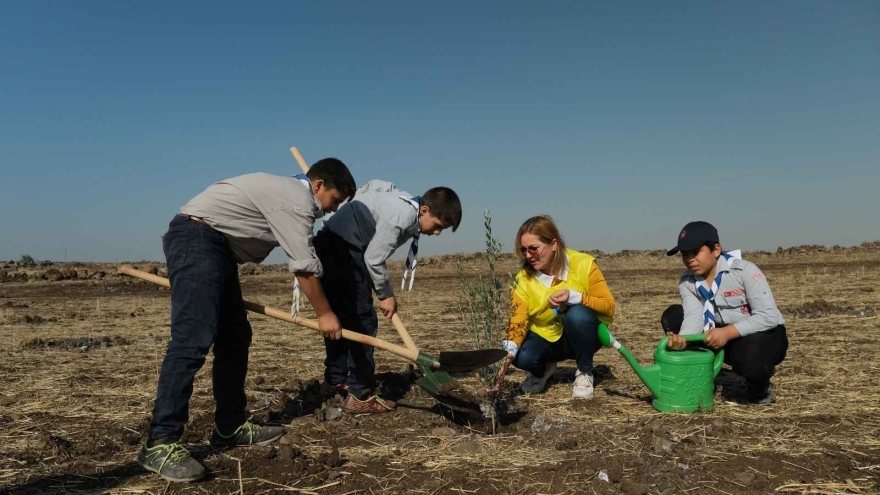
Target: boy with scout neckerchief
{"type": "Point", "coordinates": [354, 245]}
{"type": "Point", "coordinates": [233, 221]}
{"type": "Point", "coordinates": [730, 300]}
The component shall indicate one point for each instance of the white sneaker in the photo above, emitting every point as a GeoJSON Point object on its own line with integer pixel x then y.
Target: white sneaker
{"type": "Point", "coordinates": [535, 384]}
{"type": "Point", "coordinates": [583, 385]}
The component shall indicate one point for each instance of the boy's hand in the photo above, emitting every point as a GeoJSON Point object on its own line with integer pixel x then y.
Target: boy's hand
{"type": "Point", "coordinates": [676, 342]}
{"type": "Point", "coordinates": [329, 325]}
{"type": "Point", "coordinates": [719, 337]}
{"type": "Point", "coordinates": [559, 298]}
{"type": "Point", "coordinates": [388, 306]}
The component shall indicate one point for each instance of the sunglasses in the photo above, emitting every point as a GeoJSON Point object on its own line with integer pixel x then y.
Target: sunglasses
{"type": "Point", "coordinates": [532, 250]}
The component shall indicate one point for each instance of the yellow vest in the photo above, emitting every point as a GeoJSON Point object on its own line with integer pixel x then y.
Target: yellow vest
{"type": "Point", "coordinates": [542, 320]}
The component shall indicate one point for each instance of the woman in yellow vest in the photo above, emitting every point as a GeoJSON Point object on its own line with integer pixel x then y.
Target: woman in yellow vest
{"type": "Point", "coordinates": [559, 298]}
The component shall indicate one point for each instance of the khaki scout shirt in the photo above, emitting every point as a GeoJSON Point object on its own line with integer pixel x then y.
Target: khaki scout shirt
{"type": "Point", "coordinates": [744, 300]}
{"type": "Point", "coordinates": [258, 212]}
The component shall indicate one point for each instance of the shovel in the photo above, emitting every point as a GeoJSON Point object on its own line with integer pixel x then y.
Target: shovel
{"type": "Point", "coordinates": [433, 382]}
{"type": "Point", "coordinates": [435, 379]}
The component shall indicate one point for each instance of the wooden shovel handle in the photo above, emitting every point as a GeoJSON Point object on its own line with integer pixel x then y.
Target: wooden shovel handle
{"type": "Point", "coordinates": [299, 159]}
{"type": "Point", "coordinates": [404, 334]}
{"type": "Point", "coordinates": [408, 354]}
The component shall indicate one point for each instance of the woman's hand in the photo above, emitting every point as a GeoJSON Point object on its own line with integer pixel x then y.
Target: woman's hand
{"type": "Point", "coordinates": [559, 298]}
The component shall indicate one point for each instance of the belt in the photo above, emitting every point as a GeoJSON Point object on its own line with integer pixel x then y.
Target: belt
{"type": "Point", "coordinates": [195, 219]}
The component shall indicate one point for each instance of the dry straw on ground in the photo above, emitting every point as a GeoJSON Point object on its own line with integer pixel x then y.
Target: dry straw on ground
{"type": "Point", "coordinates": [74, 405]}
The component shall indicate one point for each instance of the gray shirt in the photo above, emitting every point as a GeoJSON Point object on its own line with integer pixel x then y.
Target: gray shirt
{"type": "Point", "coordinates": [743, 299]}
{"type": "Point", "coordinates": [376, 222]}
{"type": "Point", "coordinates": [258, 212]}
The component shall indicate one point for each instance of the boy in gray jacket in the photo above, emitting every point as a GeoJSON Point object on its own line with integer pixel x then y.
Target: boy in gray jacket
{"type": "Point", "coordinates": [730, 300]}
{"type": "Point", "coordinates": [354, 245]}
{"type": "Point", "coordinates": [233, 221]}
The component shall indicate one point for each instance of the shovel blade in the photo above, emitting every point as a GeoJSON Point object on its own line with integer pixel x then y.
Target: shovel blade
{"type": "Point", "coordinates": [462, 361]}
{"type": "Point", "coordinates": [436, 382]}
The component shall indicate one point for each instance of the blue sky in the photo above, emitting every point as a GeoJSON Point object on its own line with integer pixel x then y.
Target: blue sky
{"type": "Point", "coordinates": [623, 120]}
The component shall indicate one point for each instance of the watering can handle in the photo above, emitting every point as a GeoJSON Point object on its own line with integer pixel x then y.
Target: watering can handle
{"type": "Point", "coordinates": [697, 337]}
{"type": "Point", "coordinates": [719, 360]}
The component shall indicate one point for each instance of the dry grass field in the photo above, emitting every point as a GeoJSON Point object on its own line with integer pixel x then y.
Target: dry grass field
{"type": "Point", "coordinates": [80, 360]}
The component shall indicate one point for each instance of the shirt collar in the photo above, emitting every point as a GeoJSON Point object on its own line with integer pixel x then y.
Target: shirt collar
{"type": "Point", "coordinates": [723, 264]}
{"type": "Point", "coordinates": [413, 229]}
{"type": "Point", "coordinates": [319, 211]}
{"type": "Point", "coordinates": [307, 183]}
{"type": "Point", "coordinates": [547, 280]}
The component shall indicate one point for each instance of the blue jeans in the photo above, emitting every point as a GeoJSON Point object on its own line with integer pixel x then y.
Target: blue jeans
{"type": "Point", "coordinates": [349, 291]}
{"type": "Point", "coordinates": [579, 341]}
{"type": "Point", "coordinates": [206, 309]}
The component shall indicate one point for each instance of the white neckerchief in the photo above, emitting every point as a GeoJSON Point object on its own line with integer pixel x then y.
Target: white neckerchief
{"type": "Point", "coordinates": [708, 294]}
{"type": "Point", "coordinates": [307, 183]}
{"type": "Point", "coordinates": [409, 267]}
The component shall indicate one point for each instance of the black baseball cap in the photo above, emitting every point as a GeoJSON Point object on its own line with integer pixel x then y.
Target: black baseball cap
{"type": "Point", "coordinates": [694, 235]}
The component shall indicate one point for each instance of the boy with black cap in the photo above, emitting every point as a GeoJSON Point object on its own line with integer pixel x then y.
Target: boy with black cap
{"type": "Point", "coordinates": [730, 300]}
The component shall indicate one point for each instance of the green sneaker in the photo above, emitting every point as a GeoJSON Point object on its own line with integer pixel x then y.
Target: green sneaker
{"type": "Point", "coordinates": [246, 434]}
{"type": "Point", "coordinates": [171, 461]}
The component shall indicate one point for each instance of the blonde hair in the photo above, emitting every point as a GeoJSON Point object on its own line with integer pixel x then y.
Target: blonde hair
{"type": "Point", "coordinates": [545, 228]}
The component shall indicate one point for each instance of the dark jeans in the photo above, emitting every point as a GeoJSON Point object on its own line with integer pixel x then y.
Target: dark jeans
{"type": "Point", "coordinates": [349, 291]}
{"type": "Point", "coordinates": [754, 357]}
{"type": "Point", "coordinates": [206, 308]}
{"type": "Point", "coordinates": [579, 341]}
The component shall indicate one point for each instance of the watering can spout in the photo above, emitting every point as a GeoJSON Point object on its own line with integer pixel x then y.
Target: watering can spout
{"type": "Point", "coordinates": [650, 375]}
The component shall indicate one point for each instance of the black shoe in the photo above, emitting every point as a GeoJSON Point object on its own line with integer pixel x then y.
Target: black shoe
{"type": "Point", "coordinates": [171, 461]}
{"type": "Point", "coordinates": [246, 434]}
{"type": "Point", "coordinates": [761, 394]}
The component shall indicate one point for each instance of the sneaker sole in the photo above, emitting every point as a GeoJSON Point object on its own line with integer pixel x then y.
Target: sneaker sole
{"type": "Point", "coordinates": [221, 445]}
{"type": "Point", "coordinates": [264, 442]}
{"type": "Point", "coordinates": [169, 478]}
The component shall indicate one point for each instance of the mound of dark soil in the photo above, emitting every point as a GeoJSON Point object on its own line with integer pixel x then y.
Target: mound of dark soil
{"type": "Point", "coordinates": [290, 463]}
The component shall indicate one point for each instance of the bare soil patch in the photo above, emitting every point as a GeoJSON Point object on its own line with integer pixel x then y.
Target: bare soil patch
{"type": "Point", "coordinates": [821, 308]}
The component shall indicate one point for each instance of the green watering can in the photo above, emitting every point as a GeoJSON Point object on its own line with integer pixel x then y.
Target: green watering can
{"type": "Point", "coordinates": [681, 381]}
